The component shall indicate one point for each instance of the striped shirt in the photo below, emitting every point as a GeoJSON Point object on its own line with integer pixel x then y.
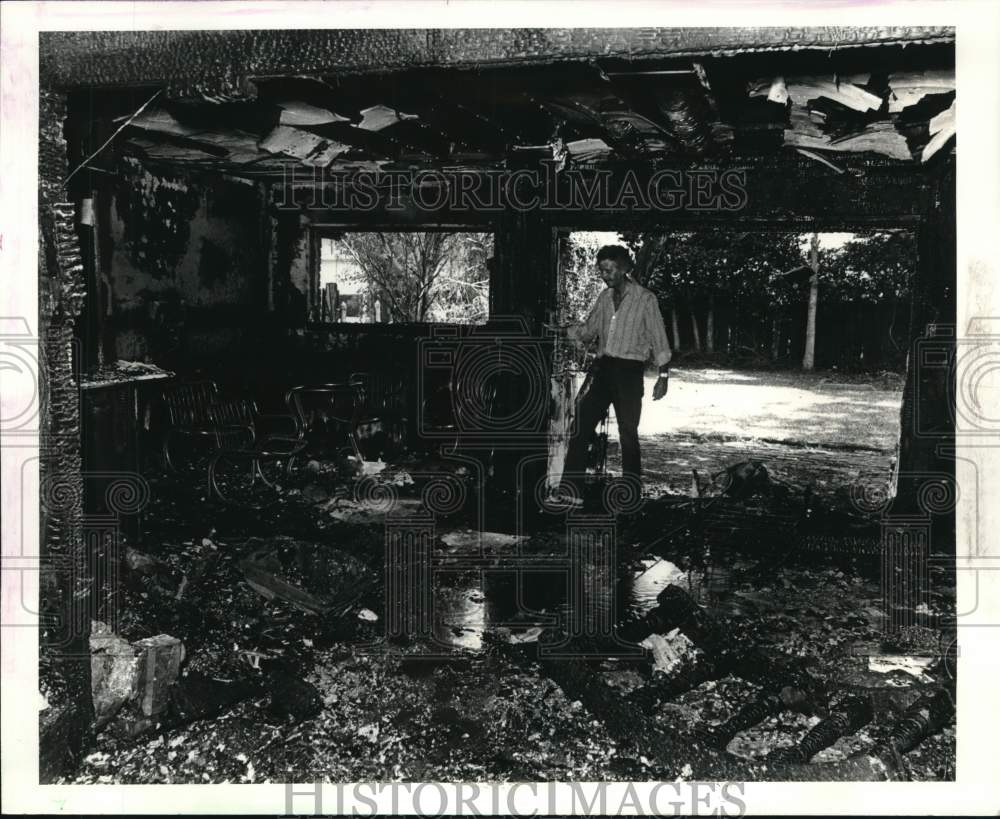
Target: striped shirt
{"type": "Point", "coordinates": [635, 331]}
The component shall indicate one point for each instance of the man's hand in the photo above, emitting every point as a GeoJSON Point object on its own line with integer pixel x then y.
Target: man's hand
{"type": "Point", "coordinates": [660, 387]}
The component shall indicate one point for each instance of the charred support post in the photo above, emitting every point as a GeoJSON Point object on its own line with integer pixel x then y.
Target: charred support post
{"type": "Point", "coordinates": [526, 267]}
{"type": "Point", "coordinates": [65, 584]}
{"type": "Point", "coordinates": [561, 382]}
{"type": "Point", "coordinates": [525, 288]}
{"type": "Point", "coordinates": [921, 518]}
{"type": "Point", "coordinates": [927, 413]}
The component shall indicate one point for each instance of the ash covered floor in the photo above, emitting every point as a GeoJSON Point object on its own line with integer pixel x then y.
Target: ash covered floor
{"type": "Point", "coordinates": [286, 674]}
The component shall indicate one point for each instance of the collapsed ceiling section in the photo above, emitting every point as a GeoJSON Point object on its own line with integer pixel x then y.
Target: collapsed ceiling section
{"type": "Point", "coordinates": [893, 101]}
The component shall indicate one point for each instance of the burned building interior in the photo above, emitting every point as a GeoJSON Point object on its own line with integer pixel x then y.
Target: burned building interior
{"type": "Point", "coordinates": [249, 490]}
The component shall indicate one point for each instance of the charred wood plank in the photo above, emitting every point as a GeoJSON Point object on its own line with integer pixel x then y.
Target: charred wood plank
{"type": "Point", "coordinates": [853, 714]}
{"type": "Point", "coordinates": [923, 719]}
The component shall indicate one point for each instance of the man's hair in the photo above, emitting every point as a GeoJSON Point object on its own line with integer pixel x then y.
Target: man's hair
{"type": "Point", "coordinates": [615, 253]}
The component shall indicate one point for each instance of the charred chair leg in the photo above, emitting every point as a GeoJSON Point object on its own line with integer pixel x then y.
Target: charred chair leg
{"type": "Point", "coordinates": [167, 459]}
{"type": "Point", "coordinates": [215, 490]}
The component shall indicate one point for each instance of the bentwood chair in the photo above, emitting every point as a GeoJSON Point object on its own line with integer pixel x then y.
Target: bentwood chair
{"type": "Point", "coordinates": [327, 416]}
{"type": "Point", "coordinates": [383, 419]}
{"type": "Point", "coordinates": [188, 416]}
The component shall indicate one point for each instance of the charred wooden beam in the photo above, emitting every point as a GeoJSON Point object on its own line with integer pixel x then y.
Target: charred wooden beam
{"type": "Point", "coordinates": [885, 762]}
{"type": "Point", "coordinates": [672, 745]}
{"type": "Point", "coordinates": [924, 718]}
{"type": "Point", "coordinates": [751, 714]}
{"type": "Point", "coordinates": [852, 715]}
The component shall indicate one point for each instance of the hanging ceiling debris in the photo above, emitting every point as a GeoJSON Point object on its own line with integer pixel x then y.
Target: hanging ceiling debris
{"type": "Point", "coordinates": [892, 101]}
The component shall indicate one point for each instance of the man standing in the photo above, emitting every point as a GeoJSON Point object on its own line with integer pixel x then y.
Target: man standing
{"type": "Point", "coordinates": [628, 327]}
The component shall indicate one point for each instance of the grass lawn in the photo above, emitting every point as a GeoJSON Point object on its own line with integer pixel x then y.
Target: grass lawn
{"type": "Point", "coordinates": [799, 408]}
{"type": "Point", "coordinates": [808, 427]}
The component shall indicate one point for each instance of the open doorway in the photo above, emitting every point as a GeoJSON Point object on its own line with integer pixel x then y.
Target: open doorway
{"type": "Point", "coordinates": [788, 349]}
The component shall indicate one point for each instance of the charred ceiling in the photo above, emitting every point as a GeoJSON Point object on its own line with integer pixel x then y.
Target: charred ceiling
{"type": "Point", "coordinates": [893, 101]}
{"type": "Point", "coordinates": [216, 63]}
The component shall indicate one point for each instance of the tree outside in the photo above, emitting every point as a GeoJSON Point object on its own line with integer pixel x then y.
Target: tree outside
{"type": "Point", "coordinates": [742, 298]}
{"type": "Point", "coordinates": [421, 276]}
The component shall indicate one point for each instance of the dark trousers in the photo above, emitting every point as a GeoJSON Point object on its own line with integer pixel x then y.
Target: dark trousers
{"type": "Point", "coordinates": [616, 381]}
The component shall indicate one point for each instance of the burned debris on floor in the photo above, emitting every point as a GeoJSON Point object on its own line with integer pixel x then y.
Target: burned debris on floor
{"type": "Point", "coordinates": [196, 192]}
{"type": "Point", "coordinates": [254, 646]}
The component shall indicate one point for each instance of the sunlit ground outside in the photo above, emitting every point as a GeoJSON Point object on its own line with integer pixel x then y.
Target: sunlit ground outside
{"type": "Point", "coordinates": [793, 422]}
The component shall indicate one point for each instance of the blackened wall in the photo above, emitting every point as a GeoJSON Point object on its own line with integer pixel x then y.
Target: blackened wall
{"type": "Point", "coordinates": [185, 263]}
